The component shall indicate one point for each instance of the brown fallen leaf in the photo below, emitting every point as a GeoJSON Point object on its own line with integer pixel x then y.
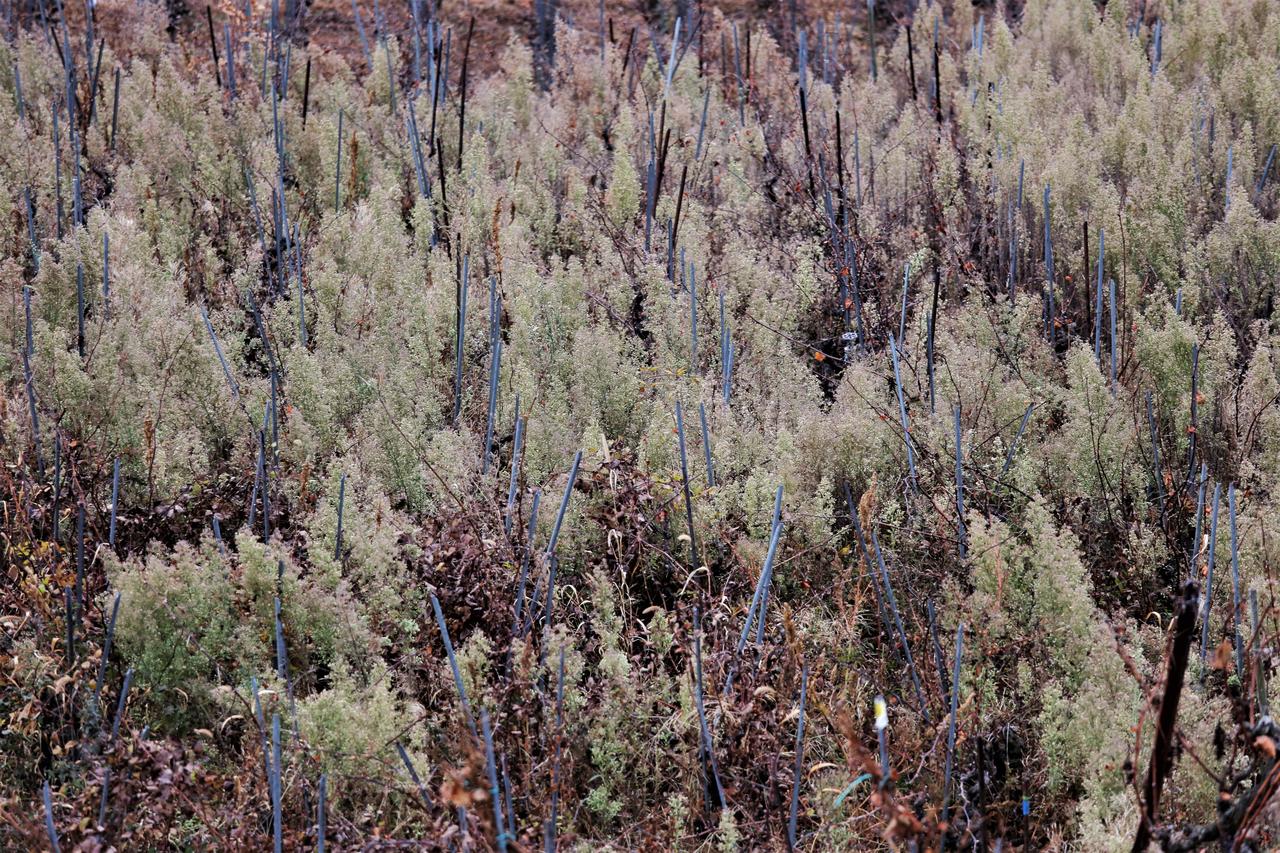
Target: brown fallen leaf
{"type": "Point", "coordinates": [1222, 656]}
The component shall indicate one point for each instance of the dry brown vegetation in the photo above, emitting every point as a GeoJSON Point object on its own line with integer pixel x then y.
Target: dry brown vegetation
{"type": "Point", "coordinates": [733, 426]}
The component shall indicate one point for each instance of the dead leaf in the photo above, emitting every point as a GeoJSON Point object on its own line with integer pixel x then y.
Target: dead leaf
{"type": "Point", "coordinates": [1222, 656]}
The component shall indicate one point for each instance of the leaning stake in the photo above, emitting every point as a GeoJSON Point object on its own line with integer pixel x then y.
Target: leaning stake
{"type": "Point", "coordinates": [684, 479]}
{"type": "Point", "coordinates": [564, 505]}
{"type": "Point", "coordinates": [897, 619]}
{"type": "Point", "coordinates": [1208, 583]}
{"type": "Point", "coordinates": [453, 663]}
{"type": "Point", "coordinates": [1162, 749]}
{"type": "Point", "coordinates": [492, 771]}
{"type": "Point", "coordinates": [795, 785]}
{"type": "Point", "coordinates": [714, 789]}
{"type": "Point", "coordinates": [951, 726]}
{"type": "Point", "coordinates": [1235, 581]}
{"type": "Point", "coordinates": [48, 820]}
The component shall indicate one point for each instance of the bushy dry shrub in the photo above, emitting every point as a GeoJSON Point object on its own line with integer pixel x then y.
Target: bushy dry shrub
{"type": "Point", "coordinates": [321, 519]}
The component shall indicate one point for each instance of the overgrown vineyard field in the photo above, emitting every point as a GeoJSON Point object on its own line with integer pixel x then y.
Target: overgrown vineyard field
{"type": "Point", "coordinates": [673, 427]}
